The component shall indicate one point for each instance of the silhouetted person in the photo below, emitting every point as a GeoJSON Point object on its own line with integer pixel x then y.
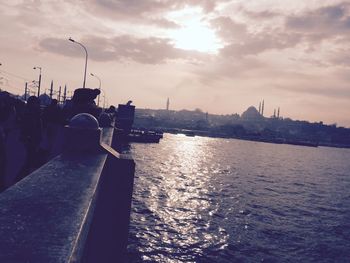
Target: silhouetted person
{"type": "Point", "coordinates": [2, 161]}
{"type": "Point", "coordinates": [52, 114]}
{"type": "Point", "coordinates": [52, 120]}
{"type": "Point", "coordinates": [31, 135]}
{"type": "Point", "coordinates": [67, 111]}
{"type": "Point", "coordinates": [19, 107]}
{"type": "Point", "coordinates": [111, 111]}
{"type": "Point", "coordinates": [7, 112]}
{"type": "Point", "coordinates": [83, 102]}
{"type": "Point", "coordinates": [7, 122]}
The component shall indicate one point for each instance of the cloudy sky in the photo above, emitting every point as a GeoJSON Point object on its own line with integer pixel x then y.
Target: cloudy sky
{"type": "Point", "coordinates": [218, 55]}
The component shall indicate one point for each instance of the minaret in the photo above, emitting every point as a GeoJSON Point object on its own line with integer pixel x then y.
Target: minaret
{"type": "Point", "coordinates": [259, 107]}
{"type": "Point", "coordinates": [278, 113]}
{"type": "Point", "coordinates": [262, 108]}
{"type": "Point", "coordinates": [167, 104]}
{"type": "Point", "coordinates": [274, 113]}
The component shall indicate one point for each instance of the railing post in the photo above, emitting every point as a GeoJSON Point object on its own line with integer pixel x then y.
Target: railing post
{"type": "Point", "coordinates": [107, 241]}
{"type": "Point", "coordinates": [82, 134]}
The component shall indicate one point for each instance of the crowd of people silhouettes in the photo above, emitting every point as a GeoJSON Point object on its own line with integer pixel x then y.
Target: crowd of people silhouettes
{"type": "Point", "coordinates": [38, 126]}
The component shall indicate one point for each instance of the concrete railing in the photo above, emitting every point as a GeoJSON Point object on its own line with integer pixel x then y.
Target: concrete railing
{"type": "Point", "coordinates": [75, 208]}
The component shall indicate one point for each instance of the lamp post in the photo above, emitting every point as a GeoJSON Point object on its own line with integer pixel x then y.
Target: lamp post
{"type": "Point", "coordinates": [104, 98]}
{"type": "Point", "coordinates": [86, 58]}
{"type": "Point", "coordinates": [39, 83]}
{"type": "Point", "coordinates": [99, 87]}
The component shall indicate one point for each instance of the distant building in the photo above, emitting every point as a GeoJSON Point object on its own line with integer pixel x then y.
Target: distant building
{"type": "Point", "coordinates": [251, 114]}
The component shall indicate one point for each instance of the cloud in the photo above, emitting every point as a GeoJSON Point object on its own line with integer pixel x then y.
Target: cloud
{"type": "Point", "coordinates": [162, 22]}
{"type": "Point", "coordinates": [228, 70]}
{"type": "Point", "coordinates": [316, 89]}
{"type": "Point", "coordinates": [322, 23]}
{"type": "Point", "coordinates": [137, 7]}
{"type": "Point", "coordinates": [259, 15]}
{"type": "Point", "coordinates": [241, 42]}
{"type": "Point", "coordinates": [151, 50]}
{"type": "Point", "coordinates": [151, 12]}
{"type": "Point", "coordinates": [256, 44]}
{"type": "Point", "coordinates": [132, 11]}
{"type": "Point", "coordinates": [340, 57]}
{"type": "Point", "coordinates": [228, 29]}
{"type": "Point", "coordinates": [324, 30]}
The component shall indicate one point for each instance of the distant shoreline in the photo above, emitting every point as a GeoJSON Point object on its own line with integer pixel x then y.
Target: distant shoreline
{"type": "Point", "coordinates": [192, 133]}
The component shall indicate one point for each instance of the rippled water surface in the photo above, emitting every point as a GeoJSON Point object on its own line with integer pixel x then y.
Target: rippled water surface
{"type": "Point", "coordinates": [201, 199]}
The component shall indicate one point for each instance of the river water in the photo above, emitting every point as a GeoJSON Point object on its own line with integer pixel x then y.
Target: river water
{"type": "Point", "coordinates": [200, 199]}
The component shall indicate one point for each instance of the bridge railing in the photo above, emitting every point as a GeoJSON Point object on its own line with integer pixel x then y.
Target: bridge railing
{"type": "Point", "coordinates": [75, 208]}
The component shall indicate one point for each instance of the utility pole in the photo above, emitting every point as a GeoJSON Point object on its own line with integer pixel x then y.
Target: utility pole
{"type": "Point", "coordinates": [25, 91]}
{"type": "Point", "coordinates": [65, 93]}
{"type": "Point", "coordinates": [59, 95]}
{"type": "Point", "coordinates": [39, 83]}
{"type": "Point", "coordinates": [51, 89]}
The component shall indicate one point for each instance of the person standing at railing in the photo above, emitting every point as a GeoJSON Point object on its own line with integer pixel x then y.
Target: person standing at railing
{"type": "Point", "coordinates": [52, 122]}
{"type": "Point", "coordinates": [83, 102]}
{"type": "Point", "coordinates": [2, 159]}
{"type": "Point", "coordinates": [31, 135]}
{"type": "Point", "coordinates": [7, 123]}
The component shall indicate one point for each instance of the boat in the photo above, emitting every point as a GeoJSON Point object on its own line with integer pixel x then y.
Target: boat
{"type": "Point", "coordinates": [144, 136]}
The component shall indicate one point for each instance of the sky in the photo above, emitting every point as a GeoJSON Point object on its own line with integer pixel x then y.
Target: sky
{"type": "Point", "coordinates": [221, 56]}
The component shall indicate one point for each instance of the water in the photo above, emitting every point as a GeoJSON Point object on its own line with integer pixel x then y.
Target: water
{"type": "Point", "coordinates": [201, 199]}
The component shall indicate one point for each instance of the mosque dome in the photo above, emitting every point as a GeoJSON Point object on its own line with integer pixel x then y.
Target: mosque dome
{"type": "Point", "coordinates": [251, 114]}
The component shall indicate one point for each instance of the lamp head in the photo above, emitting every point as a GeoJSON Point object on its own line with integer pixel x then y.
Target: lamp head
{"type": "Point", "coordinates": [92, 74]}
{"type": "Point", "coordinates": [71, 39]}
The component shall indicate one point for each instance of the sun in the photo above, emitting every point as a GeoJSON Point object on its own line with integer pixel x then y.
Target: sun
{"type": "Point", "coordinates": [194, 33]}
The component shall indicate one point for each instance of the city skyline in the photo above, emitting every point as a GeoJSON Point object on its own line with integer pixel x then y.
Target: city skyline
{"type": "Point", "coordinates": [220, 56]}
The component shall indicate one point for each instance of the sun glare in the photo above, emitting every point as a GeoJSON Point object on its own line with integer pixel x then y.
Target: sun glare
{"type": "Point", "coordinates": [195, 34]}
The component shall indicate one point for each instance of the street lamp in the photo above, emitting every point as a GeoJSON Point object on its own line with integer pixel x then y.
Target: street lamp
{"type": "Point", "coordinates": [86, 58]}
{"type": "Point", "coordinates": [39, 84]}
{"type": "Point", "coordinates": [104, 98]}
{"type": "Point", "coordinates": [99, 87]}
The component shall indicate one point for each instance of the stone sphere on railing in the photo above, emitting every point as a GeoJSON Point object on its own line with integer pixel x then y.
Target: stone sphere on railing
{"type": "Point", "coordinates": [84, 121]}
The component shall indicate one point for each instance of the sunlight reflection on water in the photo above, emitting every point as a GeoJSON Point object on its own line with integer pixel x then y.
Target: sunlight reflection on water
{"type": "Point", "coordinates": [215, 200]}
